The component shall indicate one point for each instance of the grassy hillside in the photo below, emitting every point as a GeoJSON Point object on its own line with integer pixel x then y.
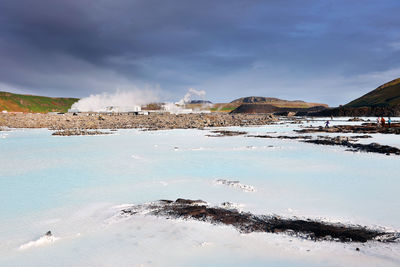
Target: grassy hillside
{"type": "Point", "coordinates": [37, 104]}
{"type": "Point", "coordinates": [387, 94]}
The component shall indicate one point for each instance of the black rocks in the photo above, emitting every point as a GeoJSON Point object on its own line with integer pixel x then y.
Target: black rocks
{"type": "Point", "coordinates": [365, 128]}
{"type": "Point", "coordinates": [291, 137]}
{"type": "Point", "coordinates": [221, 133]}
{"type": "Point", "coordinates": [246, 222]}
{"type": "Point", "coordinates": [355, 147]}
{"type": "Point", "coordinates": [78, 132]}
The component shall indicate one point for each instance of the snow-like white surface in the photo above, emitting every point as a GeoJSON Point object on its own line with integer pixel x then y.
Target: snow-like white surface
{"type": "Point", "coordinates": [42, 241]}
{"type": "Point", "coordinates": [74, 186]}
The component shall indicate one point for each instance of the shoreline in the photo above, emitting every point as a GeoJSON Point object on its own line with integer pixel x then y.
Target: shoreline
{"type": "Point", "coordinates": [149, 122]}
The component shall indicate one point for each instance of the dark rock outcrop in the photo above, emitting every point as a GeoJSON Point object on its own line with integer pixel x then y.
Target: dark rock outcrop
{"type": "Point", "coordinates": [221, 133]}
{"type": "Point", "coordinates": [246, 222]}
{"type": "Point", "coordinates": [346, 141]}
{"type": "Point", "coordinates": [343, 141]}
{"type": "Point", "coordinates": [71, 132]}
{"type": "Point", "coordinates": [282, 137]}
{"type": "Point", "coordinates": [366, 128]}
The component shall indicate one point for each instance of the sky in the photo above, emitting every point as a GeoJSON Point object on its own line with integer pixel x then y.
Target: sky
{"type": "Point", "coordinates": [327, 51]}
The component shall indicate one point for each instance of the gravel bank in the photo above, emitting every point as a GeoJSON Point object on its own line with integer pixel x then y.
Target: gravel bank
{"type": "Point", "coordinates": [150, 122]}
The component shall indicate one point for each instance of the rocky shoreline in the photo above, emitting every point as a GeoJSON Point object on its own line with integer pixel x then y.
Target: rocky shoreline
{"type": "Point", "coordinates": [345, 141]}
{"type": "Point", "coordinates": [71, 132]}
{"type": "Point", "coordinates": [355, 147]}
{"type": "Point", "coordinates": [150, 122]}
{"type": "Point", "coordinates": [246, 222]}
{"type": "Point", "coordinates": [365, 128]}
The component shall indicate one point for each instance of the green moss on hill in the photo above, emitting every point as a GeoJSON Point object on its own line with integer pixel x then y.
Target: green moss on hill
{"type": "Point", "coordinates": [36, 104]}
{"type": "Point", "coordinates": [385, 95]}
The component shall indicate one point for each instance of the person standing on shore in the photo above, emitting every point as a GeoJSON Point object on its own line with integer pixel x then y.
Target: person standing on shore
{"type": "Point", "coordinates": [383, 122]}
{"type": "Point", "coordinates": [327, 124]}
{"type": "Point", "coordinates": [389, 122]}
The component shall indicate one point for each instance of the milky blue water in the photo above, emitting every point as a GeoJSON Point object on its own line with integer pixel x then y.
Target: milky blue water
{"type": "Point", "coordinates": [70, 184]}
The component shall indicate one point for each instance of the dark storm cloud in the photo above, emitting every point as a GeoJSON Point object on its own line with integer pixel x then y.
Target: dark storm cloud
{"type": "Point", "coordinates": [295, 49]}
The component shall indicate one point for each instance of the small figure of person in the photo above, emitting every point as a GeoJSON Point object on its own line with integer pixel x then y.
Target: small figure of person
{"type": "Point", "coordinates": [378, 122]}
{"type": "Point", "coordinates": [389, 122]}
{"type": "Point", "coordinates": [383, 121]}
{"type": "Point", "coordinates": [327, 124]}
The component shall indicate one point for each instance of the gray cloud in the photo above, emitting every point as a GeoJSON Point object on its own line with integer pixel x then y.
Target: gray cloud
{"type": "Point", "coordinates": [228, 48]}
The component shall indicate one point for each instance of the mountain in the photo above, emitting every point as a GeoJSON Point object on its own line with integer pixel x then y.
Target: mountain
{"type": "Point", "coordinates": [200, 102]}
{"type": "Point", "coordinates": [383, 101]}
{"type": "Point", "coordinates": [268, 108]}
{"type": "Point", "coordinates": [276, 102]}
{"type": "Point", "coordinates": [35, 104]}
{"type": "Point", "coordinates": [255, 99]}
{"type": "Point", "coordinates": [386, 95]}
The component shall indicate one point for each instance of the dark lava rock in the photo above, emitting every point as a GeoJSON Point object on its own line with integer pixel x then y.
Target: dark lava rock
{"type": "Point", "coordinates": [361, 136]}
{"type": "Point", "coordinates": [365, 128]}
{"type": "Point", "coordinates": [188, 201]}
{"type": "Point", "coordinates": [342, 141]}
{"type": "Point", "coordinates": [71, 132]}
{"type": "Point", "coordinates": [246, 222]}
{"type": "Point", "coordinates": [221, 133]}
{"type": "Point", "coordinates": [283, 136]}
{"type": "Point", "coordinates": [338, 141]}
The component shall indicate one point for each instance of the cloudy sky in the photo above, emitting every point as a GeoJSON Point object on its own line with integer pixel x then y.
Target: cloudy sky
{"type": "Point", "coordinates": [327, 51]}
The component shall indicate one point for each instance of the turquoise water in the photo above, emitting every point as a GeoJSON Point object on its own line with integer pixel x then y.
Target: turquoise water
{"type": "Point", "coordinates": [66, 184]}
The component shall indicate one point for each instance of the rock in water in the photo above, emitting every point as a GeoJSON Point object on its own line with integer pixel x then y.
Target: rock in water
{"type": "Point", "coordinates": [246, 222]}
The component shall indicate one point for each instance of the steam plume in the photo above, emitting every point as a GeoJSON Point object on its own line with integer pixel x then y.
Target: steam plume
{"type": "Point", "coordinates": [177, 107]}
{"type": "Point", "coordinates": [99, 102]}
{"type": "Point", "coordinates": [188, 96]}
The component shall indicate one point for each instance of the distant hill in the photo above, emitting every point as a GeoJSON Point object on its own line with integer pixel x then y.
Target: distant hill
{"type": "Point", "coordinates": [200, 102]}
{"type": "Point", "coordinates": [276, 102]}
{"type": "Point", "coordinates": [383, 101]}
{"type": "Point", "coordinates": [268, 108]}
{"type": "Point", "coordinates": [265, 105]}
{"type": "Point", "coordinates": [36, 104]}
{"type": "Point", "coordinates": [255, 99]}
{"type": "Point", "coordinates": [386, 95]}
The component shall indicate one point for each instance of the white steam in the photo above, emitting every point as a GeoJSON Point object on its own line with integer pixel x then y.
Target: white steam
{"type": "Point", "coordinates": [177, 107]}
{"type": "Point", "coordinates": [188, 96]}
{"type": "Point", "coordinates": [99, 102]}
{"type": "Point", "coordinates": [123, 101]}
